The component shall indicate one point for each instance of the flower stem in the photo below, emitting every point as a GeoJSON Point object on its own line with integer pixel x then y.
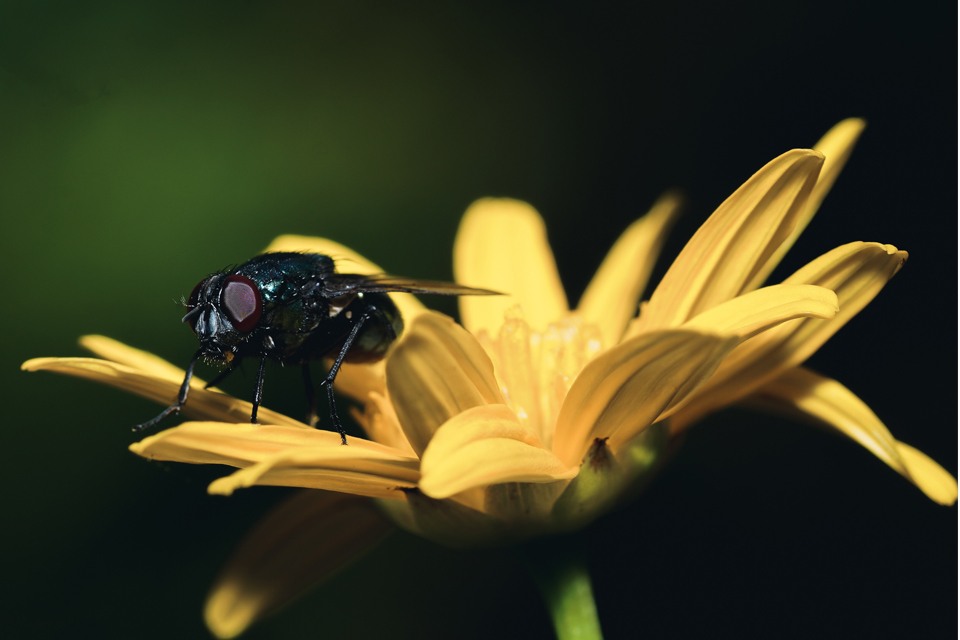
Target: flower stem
{"type": "Point", "coordinates": [559, 568]}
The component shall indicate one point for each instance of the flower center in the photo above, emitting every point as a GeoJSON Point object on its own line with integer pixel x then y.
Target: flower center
{"type": "Point", "coordinates": [535, 369]}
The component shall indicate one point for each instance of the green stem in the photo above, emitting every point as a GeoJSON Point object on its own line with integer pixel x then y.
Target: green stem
{"type": "Point", "coordinates": [559, 568]}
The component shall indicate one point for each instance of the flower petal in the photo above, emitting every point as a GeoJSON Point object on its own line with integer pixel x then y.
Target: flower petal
{"type": "Point", "coordinates": [483, 446]}
{"type": "Point", "coordinates": [202, 403]}
{"type": "Point", "coordinates": [304, 541]}
{"type": "Point", "coordinates": [752, 313]}
{"type": "Point", "coordinates": [610, 300]}
{"type": "Point", "coordinates": [836, 147]}
{"type": "Point", "coordinates": [354, 380]}
{"type": "Point", "coordinates": [347, 261]}
{"type": "Point", "coordinates": [360, 380]}
{"type": "Point", "coordinates": [930, 477]}
{"type": "Point", "coordinates": [727, 252]}
{"type": "Point", "coordinates": [435, 371]}
{"type": "Point", "coordinates": [831, 403]}
{"type": "Point", "coordinates": [856, 272]}
{"type": "Point", "coordinates": [285, 456]}
{"type": "Point", "coordinates": [116, 351]}
{"type": "Point", "coordinates": [360, 473]}
{"type": "Point", "coordinates": [624, 390]}
{"type": "Point", "coordinates": [502, 245]}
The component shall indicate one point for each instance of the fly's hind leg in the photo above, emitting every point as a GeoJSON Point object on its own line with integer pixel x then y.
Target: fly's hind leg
{"type": "Point", "coordinates": [332, 375]}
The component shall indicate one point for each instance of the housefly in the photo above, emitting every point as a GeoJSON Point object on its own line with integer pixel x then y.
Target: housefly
{"type": "Point", "coordinates": [294, 308]}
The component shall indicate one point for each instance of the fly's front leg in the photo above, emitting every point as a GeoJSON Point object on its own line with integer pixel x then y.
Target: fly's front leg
{"type": "Point", "coordinates": [332, 375]}
{"type": "Point", "coordinates": [181, 397]}
{"type": "Point", "coordinates": [258, 390]}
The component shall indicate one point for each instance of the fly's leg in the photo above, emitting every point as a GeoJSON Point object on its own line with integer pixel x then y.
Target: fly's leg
{"type": "Point", "coordinates": [181, 397]}
{"type": "Point", "coordinates": [311, 395]}
{"type": "Point", "coordinates": [332, 375]}
{"type": "Point", "coordinates": [258, 390]}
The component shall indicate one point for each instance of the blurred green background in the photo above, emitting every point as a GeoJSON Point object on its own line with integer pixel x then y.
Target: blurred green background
{"type": "Point", "coordinates": [145, 145]}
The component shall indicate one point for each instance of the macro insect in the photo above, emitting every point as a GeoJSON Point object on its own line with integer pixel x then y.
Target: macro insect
{"type": "Point", "coordinates": [294, 308]}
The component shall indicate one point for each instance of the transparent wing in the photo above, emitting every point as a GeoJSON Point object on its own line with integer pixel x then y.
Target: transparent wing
{"type": "Point", "coordinates": [343, 283]}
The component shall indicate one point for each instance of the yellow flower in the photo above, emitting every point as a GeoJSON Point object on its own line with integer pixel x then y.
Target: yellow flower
{"type": "Point", "coordinates": [534, 418]}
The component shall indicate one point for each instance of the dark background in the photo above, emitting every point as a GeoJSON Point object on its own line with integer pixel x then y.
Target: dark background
{"type": "Point", "coordinates": [144, 145]}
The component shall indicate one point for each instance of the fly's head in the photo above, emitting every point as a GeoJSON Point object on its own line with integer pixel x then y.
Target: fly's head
{"type": "Point", "coordinates": [223, 311]}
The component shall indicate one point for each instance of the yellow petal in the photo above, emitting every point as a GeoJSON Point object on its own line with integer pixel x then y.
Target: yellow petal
{"type": "Point", "coordinates": [502, 245]}
{"type": "Point", "coordinates": [856, 272]}
{"type": "Point", "coordinates": [933, 480]}
{"type": "Point", "coordinates": [347, 261]}
{"type": "Point", "coordinates": [345, 469]}
{"type": "Point", "coordinates": [354, 380]}
{"type": "Point", "coordinates": [360, 380]}
{"type": "Point", "coordinates": [610, 300]}
{"type": "Point", "coordinates": [116, 351]}
{"type": "Point", "coordinates": [752, 313]}
{"type": "Point", "coordinates": [624, 390]}
{"type": "Point", "coordinates": [241, 445]}
{"type": "Point", "coordinates": [727, 252]}
{"type": "Point", "coordinates": [483, 446]}
{"type": "Point", "coordinates": [836, 147]}
{"type": "Point", "coordinates": [201, 403]}
{"type": "Point", "coordinates": [304, 541]}
{"type": "Point", "coordinates": [829, 402]}
{"type": "Point", "coordinates": [435, 371]}
{"type": "Point", "coordinates": [285, 456]}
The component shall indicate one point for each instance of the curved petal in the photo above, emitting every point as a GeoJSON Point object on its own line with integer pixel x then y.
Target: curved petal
{"type": "Point", "coordinates": [285, 456]}
{"type": "Point", "coordinates": [363, 473]}
{"type": "Point", "coordinates": [624, 390]}
{"type": "Point", "coordinates": [354, 380]}
{"type": "Point", "coordinates": [930, 477]}
{"type": "Point", "coordinates": [752, 313]}
{"type": "Point", "coordinates": [347, 261]}
{"type": "Point", "coordinates": [829, 402]}
{"type": "Point", "coordinates": [610, 300]}
{"type": "Point", "coordinates": [856, 272]}
{"type": "Point", "coordinates": [360, 380]}
{"type": "Point", "coordinates": [116, 351]}
{"type": "Point", "coordinates": [483, 446]}
{"type": "Point", "coordinates": [727, 252]}
{"type": "Point", "coordinates": [502, 245]}
{"type": "Point", "coordinates": [304, 541]}
{"type": "Point", "coordinates": [836, 147]}
{"type": "Point", "coordinates": [435, 371]}
{"type": "Point", "coordinates": [203, 404]}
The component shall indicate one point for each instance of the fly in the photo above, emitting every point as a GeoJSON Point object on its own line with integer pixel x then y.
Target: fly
{"type": "Point", "coordinates": [294, 308]}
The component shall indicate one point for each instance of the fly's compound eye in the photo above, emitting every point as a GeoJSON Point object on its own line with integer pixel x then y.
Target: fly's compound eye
{"type": "Point", "coordinates": [195, 294]}
{"type": "Point", "coordinates": [241, 301]}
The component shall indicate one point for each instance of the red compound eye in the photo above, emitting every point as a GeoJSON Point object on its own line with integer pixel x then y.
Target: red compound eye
{"type": "Point", "coordinates": [195, 294]}
{"type": "Point", "coordinates": [240, 299]}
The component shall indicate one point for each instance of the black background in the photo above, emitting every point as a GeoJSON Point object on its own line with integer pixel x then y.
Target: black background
{"type": "Point", "coordinates": [144, 145]}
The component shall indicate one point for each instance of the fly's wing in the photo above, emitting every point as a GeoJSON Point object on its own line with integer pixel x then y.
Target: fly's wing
{"type": "Point", "coordinates": [339, 284]}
